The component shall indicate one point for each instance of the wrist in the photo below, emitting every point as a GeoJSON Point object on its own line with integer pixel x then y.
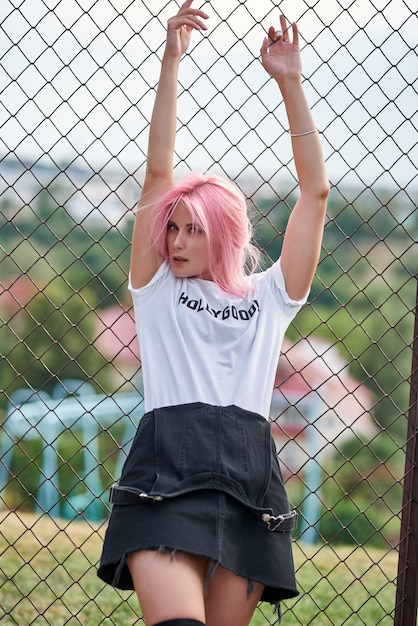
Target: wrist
{"type": "Point", "coordinates": [170, 58]}
{"type": "Point", "coordinates": [289, 84]}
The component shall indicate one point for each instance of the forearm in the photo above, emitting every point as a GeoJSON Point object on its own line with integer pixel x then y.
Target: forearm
{"type": "Point", "coordinates": [159, 172]}
{"type": "Point", "coordinates": [162, 130]}
{"type": "Point", "coordinates": [305, 225]}
{"type": "Point", "coordinates": [307, 149]}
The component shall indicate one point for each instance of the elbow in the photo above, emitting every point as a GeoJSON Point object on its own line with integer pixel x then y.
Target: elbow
{"type": "Point", "coordinates": [317, 194]}
{"type": "Point", "coordinates": [324, 195]}
{"type": "Point", "coordinates": [158, 174]}
{"type": "Point", "coordinates": [325, 191]}
{"type": "Point", "coordinates": [321, 191]}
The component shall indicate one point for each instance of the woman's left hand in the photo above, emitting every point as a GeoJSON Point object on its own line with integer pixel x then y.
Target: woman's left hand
{"type": "Point", "coordinates": [280, 56]}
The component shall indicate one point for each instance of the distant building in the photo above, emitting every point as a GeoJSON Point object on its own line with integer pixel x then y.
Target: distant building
{"type": "Point", "coordinates": [116, 339]}
{"type": "Point", "coordinates": [85, 193]}
{"type": "Point", "coordinates": [315, 396]}
{"type": "Point", "coordinates": [15, 292]}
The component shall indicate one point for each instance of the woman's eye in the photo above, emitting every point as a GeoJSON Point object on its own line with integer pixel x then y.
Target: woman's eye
{"type": "Point", "coordinates": [196, 230]}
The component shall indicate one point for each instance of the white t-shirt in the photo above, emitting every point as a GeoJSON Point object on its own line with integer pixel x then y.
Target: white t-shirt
{"type": "Point", "coordinates": [200, 344]}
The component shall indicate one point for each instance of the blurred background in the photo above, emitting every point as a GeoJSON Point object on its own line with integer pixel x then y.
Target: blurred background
{"type": "Point", "coordinates": [77, 85]}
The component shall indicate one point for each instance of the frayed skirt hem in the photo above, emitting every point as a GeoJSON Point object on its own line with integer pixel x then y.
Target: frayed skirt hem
{"type": "Point", "coordinates": [211, 525]}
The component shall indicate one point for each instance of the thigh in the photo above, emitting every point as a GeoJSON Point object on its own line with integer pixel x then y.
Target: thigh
{"type": "Point", "coordinates": [168, 585]}
{"type": "Point", "coordinates": [227, 600]}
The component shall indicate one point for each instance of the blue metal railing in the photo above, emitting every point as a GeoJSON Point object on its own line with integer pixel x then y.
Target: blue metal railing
{"type": "Point", "coordinates": [36, 415]}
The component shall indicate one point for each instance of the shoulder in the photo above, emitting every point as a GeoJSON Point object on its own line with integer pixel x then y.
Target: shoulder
{"type": "Point", "coordinates": [271, 284]}
{"type": "Point", "coordinates": [163, 276]}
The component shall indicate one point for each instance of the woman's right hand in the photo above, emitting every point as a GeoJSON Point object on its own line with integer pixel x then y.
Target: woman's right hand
{"type": "Point", "coordinates": [180, 27]}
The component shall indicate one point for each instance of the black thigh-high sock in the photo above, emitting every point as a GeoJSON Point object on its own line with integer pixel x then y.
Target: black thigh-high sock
{"type": "Point", "coordinates": [181, 622]}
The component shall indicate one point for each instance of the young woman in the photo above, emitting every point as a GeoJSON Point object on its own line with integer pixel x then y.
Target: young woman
{"type": "Point", "coordinates": [200, 525]}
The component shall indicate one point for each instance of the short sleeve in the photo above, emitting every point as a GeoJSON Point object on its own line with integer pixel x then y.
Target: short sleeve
{"type": "Point", "coordinates": [274, 275]}
{"type": "Point", "coordinates": [145, 293]}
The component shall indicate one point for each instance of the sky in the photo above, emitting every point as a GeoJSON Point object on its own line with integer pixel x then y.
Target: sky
{"type": "Point", "coordinates": [77, 82]}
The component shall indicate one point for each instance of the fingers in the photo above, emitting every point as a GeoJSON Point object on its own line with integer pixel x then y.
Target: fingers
{"type": "Point", "coordinates": [282, 35]}
{"type": "Point", "coordinates": [284, 27]}
{"type": "Point", "coordinates": [274, 36]}
{"type": "Point", "coordinates": [189, 21]}
{"type": "Point", "coordinates": [189, 11]}
{"type": "Point", "coordinates": [295, 33]}
{"type": "Point", "coordinates": [187, 16]}
{"type": "Point", "coordinates": [186, 9]}
{"type": "Point", "coordinates": [264, 46]}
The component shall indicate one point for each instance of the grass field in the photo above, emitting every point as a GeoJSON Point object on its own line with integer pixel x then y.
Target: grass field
{"type": "Point", "coordinates": [47, 578]}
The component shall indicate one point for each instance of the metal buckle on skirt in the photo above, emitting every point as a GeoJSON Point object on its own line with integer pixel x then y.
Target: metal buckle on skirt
{"type": "Point", "coordinates": [120, 494]}
{"type": "Point", "coordinates": [274, 522]}
{"type": "Point", "coordinates": [126, 495]}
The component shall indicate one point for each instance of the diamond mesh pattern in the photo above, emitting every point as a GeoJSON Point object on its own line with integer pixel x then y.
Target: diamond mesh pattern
{"type": "Point", "coordinates": [77, 82]}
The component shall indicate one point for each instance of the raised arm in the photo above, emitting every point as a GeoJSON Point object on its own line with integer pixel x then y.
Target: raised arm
{"type": "Point", "coordinates": [159, 169]}
{"type": "Point", "coordinates": [303, 236]}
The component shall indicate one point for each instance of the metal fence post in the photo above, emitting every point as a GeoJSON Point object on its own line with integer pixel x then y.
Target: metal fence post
{"type": "Point", "coordinates": [407, 581]}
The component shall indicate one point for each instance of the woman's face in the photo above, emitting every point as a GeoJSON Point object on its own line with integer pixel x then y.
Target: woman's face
{"type": "Point", "coordinates": [187, 245]}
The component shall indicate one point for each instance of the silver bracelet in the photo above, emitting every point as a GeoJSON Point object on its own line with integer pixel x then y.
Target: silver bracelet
{"type": "Point", "coordinates": [308, 132]}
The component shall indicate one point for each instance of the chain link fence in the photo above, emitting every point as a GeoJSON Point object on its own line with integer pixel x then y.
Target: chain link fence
{"type": "Point", "coordinates": [77, 82]}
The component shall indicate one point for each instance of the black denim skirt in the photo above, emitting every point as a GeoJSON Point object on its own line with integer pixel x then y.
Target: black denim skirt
{"type": "Point", "coordinates": [204, 480]}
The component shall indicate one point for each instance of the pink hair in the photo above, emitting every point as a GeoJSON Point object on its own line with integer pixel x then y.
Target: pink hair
{"type": "Point", "coordinates": [219, 208]}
